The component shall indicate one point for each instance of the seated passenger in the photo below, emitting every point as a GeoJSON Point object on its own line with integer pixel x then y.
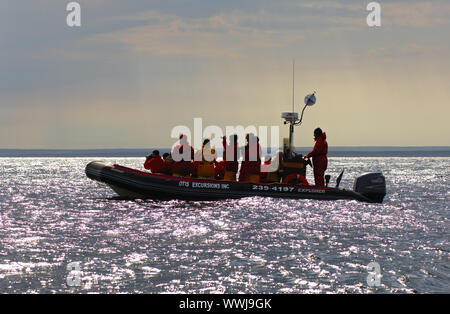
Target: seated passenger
{"type": "Point", "coordinates": [228, 167]}
{"type": "Point", "coordinates": [168, 164]}
{"type": "Point", "coordinates": [231, 157]}
{"type": "Point", "coordinates": [154, 163]}
{"type": "Point", "coordinates": [182, 154]}
{"type": "Point", "coordinates": [204, 160]}
{"type": "Point", "coordinates": [251, 165]}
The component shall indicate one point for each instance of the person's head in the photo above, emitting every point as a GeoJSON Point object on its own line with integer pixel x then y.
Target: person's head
{"type": "Point", "coordinates": [155, 153]}
{"type": "Point", "coordinates": [251, 138]}
{"type": "Point", "coordinates": [206, 142]}
{"type": "Point", "coordinates": [183, 139]}
{"type": "Point", "coordinates": [317, 133]}
{"type": "Point", "coordinates": [165, 155]}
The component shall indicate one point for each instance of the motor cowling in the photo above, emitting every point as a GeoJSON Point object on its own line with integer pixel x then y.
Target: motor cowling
{"type": "Point", "coordinates": [372, 186]}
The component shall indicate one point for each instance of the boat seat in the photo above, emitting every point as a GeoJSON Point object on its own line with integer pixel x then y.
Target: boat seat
{"type": "Point", "coordinates": [230, 176]}
{"type": "Point", "coordinates": [205, 171]}
{"type": "Point", "coordinates": [254, 178]}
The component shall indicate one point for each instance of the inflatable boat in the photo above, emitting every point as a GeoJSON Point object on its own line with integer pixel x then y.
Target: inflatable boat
{"type": "Point", "coordinates": [136, 184]}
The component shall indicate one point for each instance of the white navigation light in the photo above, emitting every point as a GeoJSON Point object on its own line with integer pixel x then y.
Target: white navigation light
{"type": "Point", "coordinates": [310, 99]}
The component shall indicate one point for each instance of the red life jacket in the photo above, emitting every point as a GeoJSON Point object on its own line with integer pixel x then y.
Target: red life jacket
{"type": "Point", "coordinates": [155, 164]}
{"type": "Point", "coordinates": [251, 165]}
{"type": "Point", "coordinates": [232, 152]}
{"type": "Point", "coordinates": [168, 167]}
{"type": "Point", "coordinates": [319, 154]}
{"type": "Point", "coordinates": [183, 166]}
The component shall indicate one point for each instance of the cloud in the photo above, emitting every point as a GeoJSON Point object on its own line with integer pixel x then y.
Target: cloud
{"type": "Point", "coordinates": [403, 13]}
{"type": "Point", "coordinates": [414, 50]}
{"type": "Point", "coordinates": [237, 32]}
{"type": "Point", "coordinates": [420, 14]}
{"type": "Point", "coordinates": [331, 5]}
{"type": "Point", "coordinates": [222, 35]}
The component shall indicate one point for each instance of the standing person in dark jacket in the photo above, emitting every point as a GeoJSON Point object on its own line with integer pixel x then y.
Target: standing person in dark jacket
{"type": "Point", "coordinates": [319, 156]}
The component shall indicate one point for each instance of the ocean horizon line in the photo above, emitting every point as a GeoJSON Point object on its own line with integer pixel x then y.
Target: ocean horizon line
{"type": "Point", "coordinates": [334, 146]}
{"type": "Point", "coordinates": [333, 151]}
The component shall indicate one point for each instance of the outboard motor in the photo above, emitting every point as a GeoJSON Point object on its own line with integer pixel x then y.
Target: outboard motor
{"type": "Point", "coordinates": [372, 186]}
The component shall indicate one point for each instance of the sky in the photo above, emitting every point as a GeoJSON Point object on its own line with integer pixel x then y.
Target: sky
{"type": "Point", "coordinates": [134, 70]}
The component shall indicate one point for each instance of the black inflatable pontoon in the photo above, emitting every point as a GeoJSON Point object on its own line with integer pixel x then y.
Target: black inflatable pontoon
{"type": "Point", "coordinates": [131, 183]}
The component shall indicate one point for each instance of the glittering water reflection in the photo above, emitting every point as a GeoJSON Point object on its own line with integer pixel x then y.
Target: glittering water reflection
{"type": "Point", "coordinates": [52, 215]}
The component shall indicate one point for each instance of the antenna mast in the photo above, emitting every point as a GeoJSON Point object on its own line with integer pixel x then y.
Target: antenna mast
{"type": "Point", "coordinates": [291, 126]}
{"type": "Point", "coordinates": [292, 117]}
{"type": "Point", "coordinates": [293, 84]}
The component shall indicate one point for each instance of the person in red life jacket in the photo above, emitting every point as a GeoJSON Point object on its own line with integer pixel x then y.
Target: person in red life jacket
{"type": "Point", "coordinates": [204, 161]}
{"type": "Point", "coordinates": [147, 161]}
{"type": "Point", "coordinates": [251, 165]}
{"type": "Point", "coordinates": [168, 164]}
{"type": "Point", "coordinates": [199, 157]}
{"type": "Point", "coordinates": [254, 156]}
{"type": "Point", "coordinates": [182, 154]}
{"type": "Point", "coordinates": [231, 154]}
{"type": "Point", "coordinates": [230, 157]}
{"type": "Point", "coordinates": [319, 156]}
{"type": "Point", "coordinates": [154, 163]}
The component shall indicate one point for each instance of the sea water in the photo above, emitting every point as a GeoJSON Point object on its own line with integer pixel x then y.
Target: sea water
{"type": "Point", "coordinates": [61, 232]}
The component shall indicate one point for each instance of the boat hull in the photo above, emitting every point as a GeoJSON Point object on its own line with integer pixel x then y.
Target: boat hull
{"type": "Point", "coordinates": [135, 184]}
